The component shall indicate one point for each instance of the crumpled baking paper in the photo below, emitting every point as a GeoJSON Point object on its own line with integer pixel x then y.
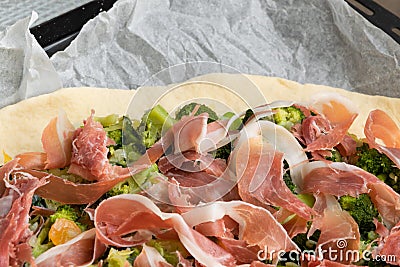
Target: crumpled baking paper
{"type": "Point", "coordinates": [313, 41]}
{"type": "Point", "coordinates": [25, 69]}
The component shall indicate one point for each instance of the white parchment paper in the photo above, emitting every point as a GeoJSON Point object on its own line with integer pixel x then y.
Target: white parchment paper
{"type": "Point", "coordinates": [309, 41]}
{"type": "Point", "coordinates": [25, 69]}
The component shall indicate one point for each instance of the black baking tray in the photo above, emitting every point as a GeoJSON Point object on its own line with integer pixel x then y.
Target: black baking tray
{"type": "Point", "coordinates": [57, 33]}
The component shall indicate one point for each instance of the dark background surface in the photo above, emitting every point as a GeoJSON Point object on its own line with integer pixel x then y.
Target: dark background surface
{"type": "Point", "coordinates": [57, 33]}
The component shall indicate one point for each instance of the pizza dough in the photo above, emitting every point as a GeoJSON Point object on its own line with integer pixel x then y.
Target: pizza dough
{"type": "Point", "coordinates": [21, 124]}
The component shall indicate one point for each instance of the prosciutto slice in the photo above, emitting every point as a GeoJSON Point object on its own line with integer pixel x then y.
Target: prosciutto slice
{"type": "Point", "coordinates": [283, 141]}
{"type": "Point", "coordinates": [268, 234]}
{"type": "Point", "coordinates": [191, 161]}
{"type": "Point", "coordinates": [341, 179]}
{"type": "Point", "coordinates": [89, 153]}
{"type": "Point", "coordinates": [327, 131]}
{"type": "Point", "coordinates": [292, 223]}
{"type": "Point", "coordinates": [82, 250]}
{"type": "Point", "coordinates": [57, 145]}
{"type": "Point", "coordinates": [32, 160]}
{"type": "Point", "coordinates": [150, 257]}
{"type": "Point", "coordinates": [118, 216]}
{"type": "Point", "coordinates": [260, 172]}
{"type": "Point", "coordinates": [379, 126]}
{"type": "Point", "coordinates": [15, 202]}
{"type": "Point", "coordinates": [338, 229]}
{"type": "Point", "coordinates": [57, 141]}
{"type": "Point", "coordinates": [391, 246]}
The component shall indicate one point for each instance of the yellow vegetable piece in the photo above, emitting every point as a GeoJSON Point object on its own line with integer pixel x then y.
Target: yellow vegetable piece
{"type": "Point", "coordinates": [6, 157]}
{"type": "Point", "coordinates": [63, 230]}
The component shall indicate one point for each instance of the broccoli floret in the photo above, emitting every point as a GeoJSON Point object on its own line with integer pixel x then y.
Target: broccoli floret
{"type": "Point", "coordinates": [378, 164]}
{"type": "Point", "coordinates": [224, 151]}
{"type": "Point", "coordinates": [132, 143]}
{"type": "Point", "coordinates": [70, 213]}
{"type": "Point", "coordinates": [247, 115]}
{"type": "Point", "coordinates": [134, 184]}
{"type": "Point", "coordinates": [66, 212]}
{"type": "Point", "coordinates": [153, 123]}
{"type": "Point", "coordinates": [168, 248]}
{"type": "Point", "coordinates": [187, 110]}
{"type": "Point", "coordinates": [116, 135]}
{"type": "Point", "coordinates": [117, 258]}
{"type": "Point", "coordinates": [363, 211]}
{"type": "Point", "coordinates": [289, 183]}
{"type": "Point", "coordinates": [336, 157]}
{"type": "Point", "coordinates": [288, 116]}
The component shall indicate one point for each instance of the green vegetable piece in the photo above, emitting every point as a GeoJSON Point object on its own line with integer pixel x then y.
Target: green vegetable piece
{"type": "Point", "coordinates": [70, 213]}
{"type": "Point", "coordinates": [132, 142]}
{"type": "Point", "coordinates": [247, 116]}
{"type": "Point", "coordinates": [38, 243]}
{"type": "Point", "coordinates": [118, 258]}
{"type": "Point", "coordinates": [363, 211]}
{"type": "Point", "coordinates": [187, 110]}
{"type": "Point", "coordinates": [108, 120]}
{"type": "Point", "coordinates": [153, 123]}
{"type": "Point", "coordinates": [168, 248]}
{"type": "Point", "coordinates": [305, 243]}
{"type": "Point", "coordinates": [135, 184]}
{"type": "Point", "coordinates": [116, 135]}
{"type": "Point", "coordinates": [236, 124]}
{"type": "Point", "coordinates": [289, 183]}
{"type": "Point", "coordinates": [308, 199]}
{"type": "Point", "coordinates": [288, 116]}
{"type": "Point", "coordinates": [66, 212]}
{"type": "Point", "coordinates": [224, 151]}
{"type": "Point", "coordinates": [336, 157]}
{"type": "Point", "coordinates": [378, 164]}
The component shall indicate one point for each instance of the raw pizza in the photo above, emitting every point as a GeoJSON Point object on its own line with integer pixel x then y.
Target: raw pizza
{"type": "Point", "coordinates": [310, 178]}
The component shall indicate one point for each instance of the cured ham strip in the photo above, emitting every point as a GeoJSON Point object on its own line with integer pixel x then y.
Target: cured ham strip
{"type": "Point", "coordinates": [391, 246]}
{"type": "Point", "coordinates": [336, 226]}
{"type": "Point", "coordinates": [192, 161]}
{"type": "Point", "coordinates": [189, 132]}
{"type": "Point", "coordinates": [32, 160]}
{"type": "Point", "coordinates": [150, 257]}
{"type": "Point", "coordinates": [193, 133]}
{"type": "Point", "coordinates": [15, 201]}
{"type": "Point", "coordinates": [333, 179]}
{"type": "Point", "coordinates": [89, 153]}
{"type": "Point", "coordinates": [67, 192]}
{"type": "Point", "coordinates": [57, 141]}
{"type": "Point", "coordinates": [340, 179]}
{"type": "Point", "coordinates": [118, 216]}
{"type": "Point", "coordinates": [326, 132]}
{"type": "Point", "coordinates": [380, 126]}
{"type": "Point", "coordinates": [269, 233]}
{"type": "Point", "coordinates": [260, 172]}
{"type": "Point", "coordinates": [347, 147]}
{"type": "Point", "coordinates": [239, 249]}
{"type": "Point", "coordinates": [225, 227]}
{"type": "Point", "coordinates": [292, 223]}
{"type": "Point", "coordinates": [79, 251]}
{"type": "Point", "coordinates": [283, 141]}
